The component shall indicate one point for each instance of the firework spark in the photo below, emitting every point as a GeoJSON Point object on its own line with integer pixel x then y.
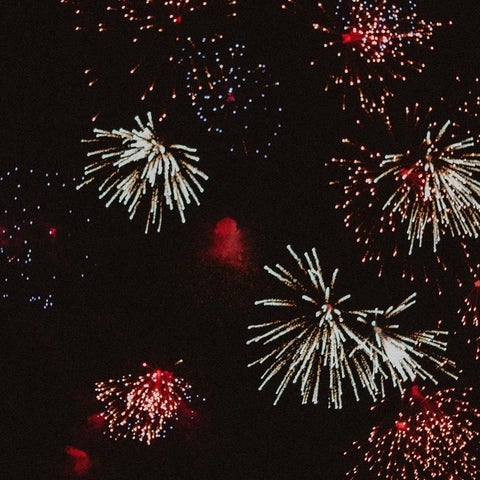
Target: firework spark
{"type": "Point", "coordinates": [402, 353]}
{"type": "Point", "coordinates": [428, 191]}
{"type": "Point", "coordinates": [433, 437]}
{"type": "Point", "coordinates": [142, 408]}
{"type": "Point", "coordinates": [36, 218]}
{"type": "Point", "coordinates": [233, 96]}
{"type": "Point", "coordinates": [368, 43]}
{"type": "Point", "coordinates": [142, 14]}
{"type": "Point", "coordinates": [161, 27]}
{"type": "Point", "coordinates": [470, 312]}
{"type": "Point", "coordinates": [318, 338]}
{"type": "Point", "coordinates": [141, 168]}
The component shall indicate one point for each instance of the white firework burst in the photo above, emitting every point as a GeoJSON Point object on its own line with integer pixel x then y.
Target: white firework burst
{"type": "Point", "coordinates": [318, 338]}
{"type": "Point", "coordinates": [403, 354]}
{"type": "Point", "coordinates": [143, 168]}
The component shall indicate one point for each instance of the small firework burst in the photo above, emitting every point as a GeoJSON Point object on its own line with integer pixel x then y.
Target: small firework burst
{"type": "Point", "coordinates": [402, 354]}
{"type": "Point", "coordinates": [142, 408]}
{"type": "Point", "coordinates": [142, 168]}
{"type": "Point", "coordinates": [368, 44]}
{"type": "Point", "coordinates": [433, 437]}
{"type": "Point", "coordinates": [318, 338]}
{"type": "Point", "coordinates": [233, 95]}
{"type": "Point", "coordinates": [425, 193]}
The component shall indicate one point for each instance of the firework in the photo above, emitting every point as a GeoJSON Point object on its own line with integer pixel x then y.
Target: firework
{"type": "Point", "coordinates": [142, 168]}
{"type": "Point", "coordinates": [422, 195]}
{"type": "Point", "coordinates": [368, 44]}
{"type": "Point", "coordinates": [234, 96]}
{"type": "Point", "coordinates": [142, 408]}
{"type": "Point", "coordinates": [157, 35]}
{"type": "Point", "coordinates": [402, 353]}
{"type": "Point", "coordinates": [433, 437]}
{"type": "Point", "coordinates": [318, 338]}
{"type": "Point", "coordinates": [36, 219]}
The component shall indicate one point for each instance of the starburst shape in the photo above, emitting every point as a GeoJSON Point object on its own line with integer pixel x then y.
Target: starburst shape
{"type": "Point", "coordinates": [143, 168]}
{"type": "Point", "coordinates": [142, 408]}
{"type": "Point", "coordinates": [403, 355]}
{"type": "Point", "coordinates": [367, 45]}
{"type": "Point", "coordinates": [434, 436]}
{"type": "Point", "coordinates": [422, 196]}
{"type": "Point", "coordinates": [318, 338]}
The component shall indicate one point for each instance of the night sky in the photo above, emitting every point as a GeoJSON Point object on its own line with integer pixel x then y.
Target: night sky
{"type": "Point", "coordinates": [159, 298]}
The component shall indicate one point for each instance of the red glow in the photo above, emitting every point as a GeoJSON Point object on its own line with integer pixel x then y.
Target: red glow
{"type": "Point", "coordinates": [230, 98]}
{"type": "Point", "coordinates": [178, 19]}
{"type": "Point", "coordinates": [401, 425]}
{"type": "Point", "coordinates": [352, 37]}
{"type": "Point", "coordinates": [228, 244]}
{"type": "Point", "coordinates": [95, 422]}
{"type": "Point", "coordinates": [79, 461]}
{"type": "Point", "coordinates": [476, 284]}
{"type": "Point", "coordinates": [226, 227]}
{"type": "Point", "coordinates": [416, 393]}
{"type": "Point", "coordinates": [413, 177]}
{"type": "Point", "coordinates": [52, 232]}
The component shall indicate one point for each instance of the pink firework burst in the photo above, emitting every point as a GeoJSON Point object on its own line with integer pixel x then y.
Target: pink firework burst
{"type": "Point", "coordinates": [142, 408]}
{"type": "Point", "coordinates": [434, 436]}
{"type": "Point", "coordinates": [367, 45]}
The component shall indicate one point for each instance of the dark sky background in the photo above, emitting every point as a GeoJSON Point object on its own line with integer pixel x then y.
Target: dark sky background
{"type": "Point", "coordinates": [162, 297]}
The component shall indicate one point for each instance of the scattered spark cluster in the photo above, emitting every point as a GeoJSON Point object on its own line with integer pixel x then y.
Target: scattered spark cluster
{"type": "Point", "coordinates": [33, 257]}
{"type": "Point", "coordinates": [433, 437]}
{"type": "Point", "coordinates": [367, 44]}
{"type": "Point", "coordinates": [470, 313]}
{"type": "Point", "coordinates": [423, 194]}
{"type": "Point", "coordinates": [233, 96]}
{"type": "Point", "coordinates": [142, 168]}
{"type": "Point", "coordinates": [323, 335]}
{"type": "Point", "coordinates": [142, 408]}
{"type": "Point", "coordinates": [160, 32]}
{"type": "Point", "coordinates": [144, 15]}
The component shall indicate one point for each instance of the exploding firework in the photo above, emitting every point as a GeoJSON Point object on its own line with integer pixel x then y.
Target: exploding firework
{"type": "Point", "coordinates": [402, 354]}
{"type": "Point", "coordinates": [142, 168]}
{"type": "Point", "coordinates": [234, 96]}
{"type": "Point", "coordinates": [317, 338]}
{"type": "Point", "coordinates": [433, 437]}
{"type": "Point", "coordinates": [323, 336]}
{"type": "Point", "coordinates": [142, 408]}
{"type": "Point", "coordinates": [424, 195]}
{"type": "Point", "coordinates": [153, 37]}
{"type": "Point", "coordinates": [37, 222]}
{"type": "Point", "coordinates": [368, 44]}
